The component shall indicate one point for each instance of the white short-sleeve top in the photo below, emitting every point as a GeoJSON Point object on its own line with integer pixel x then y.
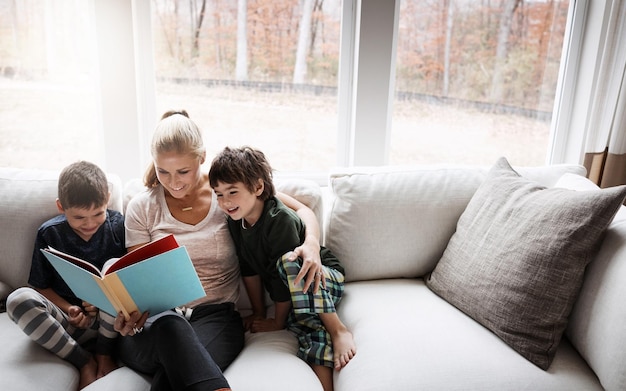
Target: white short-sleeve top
{"type": "Point", "coordinates": [209, 243]}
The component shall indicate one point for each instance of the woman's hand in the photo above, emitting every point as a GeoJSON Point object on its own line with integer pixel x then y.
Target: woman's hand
{"type": "Point", "coordinates": [309, 251]}
{"type": "Point", "coordinates": [131, 326]}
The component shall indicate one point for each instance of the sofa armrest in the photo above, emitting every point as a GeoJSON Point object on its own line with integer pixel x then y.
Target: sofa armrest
{"type": "Point", "coordinates": [595, 326]}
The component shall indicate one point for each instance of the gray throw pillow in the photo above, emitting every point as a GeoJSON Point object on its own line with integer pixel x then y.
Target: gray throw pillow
{"type": "Point", "coordinates": [516, 261]}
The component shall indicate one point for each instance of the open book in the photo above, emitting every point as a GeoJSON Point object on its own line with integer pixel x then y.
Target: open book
{"type": "Point", "coordinates": [154, 277]}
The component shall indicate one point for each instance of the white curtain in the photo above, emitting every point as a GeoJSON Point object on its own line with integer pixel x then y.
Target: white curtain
{"type": "Point", "coordinates": [605, 151]}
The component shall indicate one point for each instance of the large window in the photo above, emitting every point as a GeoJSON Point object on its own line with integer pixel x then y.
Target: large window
{"type": "Point", "coordinates": [313, 83]}
{"type": "Point", "coordinates": [476, 80]}
{"type": "Point", "coordinates": [261, 73]}
{"type": "Point", "coordinates": [48, 101]}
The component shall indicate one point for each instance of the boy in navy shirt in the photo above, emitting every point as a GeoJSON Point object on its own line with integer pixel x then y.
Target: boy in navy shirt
{"type": "Point", "coordinates": [48, 311]}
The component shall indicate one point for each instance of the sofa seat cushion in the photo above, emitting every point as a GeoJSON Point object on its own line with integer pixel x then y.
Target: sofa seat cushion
{"type": "Point", "coordinates": [409, 338]}
{"type": "Point", "coordinates": [122, 378]}
{"type": "Point", "coordinates": [267, 362]}
{"type": "Point", "coordinates": [26, 366]}
{"type": "Point", "coordinates": [517, 259]}
{"type": "Point", "coordinates": [272, 356]}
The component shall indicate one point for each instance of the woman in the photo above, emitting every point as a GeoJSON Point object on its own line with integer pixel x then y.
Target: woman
{"type": "Point", "coordinates": [187, 349]}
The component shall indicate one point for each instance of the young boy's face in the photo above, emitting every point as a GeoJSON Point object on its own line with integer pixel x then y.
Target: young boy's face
{"type": "Point", "coordinates": [239, 202]}
{"type": "Point", "coordinates": [85, 221]}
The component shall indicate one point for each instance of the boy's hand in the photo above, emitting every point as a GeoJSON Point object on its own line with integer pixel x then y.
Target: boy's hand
{"type": "Point", "coordinates": [90, 309]}
{"type": "Point", "coordinates": [249, 320]}
{"type": "Point", "coordinates": [263, 325]}
{"type": "Point", "coordinates": [78, 318]}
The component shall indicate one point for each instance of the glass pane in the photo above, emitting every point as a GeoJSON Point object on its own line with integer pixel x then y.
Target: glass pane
{"type": "Point", "coordinates": [476, 80]}
{"type": "Point", "coordinates": [47, 93]}
{"type": "Point", "coordinates": [240, 77]}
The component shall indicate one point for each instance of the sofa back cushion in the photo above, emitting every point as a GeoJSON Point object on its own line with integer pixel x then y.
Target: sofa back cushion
{"type": "Point", "coordinates": [395, 222]}
{"type": "Point", "coordinates": [27, 199]}
{"type": "Point", "coordinates": [306, 191]}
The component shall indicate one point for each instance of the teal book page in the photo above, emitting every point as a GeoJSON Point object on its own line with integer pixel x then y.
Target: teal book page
{"type": "Point", "coordinates": [81, 282]}
{"type": "Point", "coordinates": [162, 282]}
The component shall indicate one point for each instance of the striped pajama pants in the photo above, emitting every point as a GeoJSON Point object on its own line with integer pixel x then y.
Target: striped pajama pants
{"type": "Point", "coordinates": [48, 325]}
{"type": "Point", "coordinates": [315, 342]}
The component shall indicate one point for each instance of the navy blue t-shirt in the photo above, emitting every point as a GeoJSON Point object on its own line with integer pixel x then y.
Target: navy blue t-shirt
{"type": "Point", "coordinates": [108, 242]}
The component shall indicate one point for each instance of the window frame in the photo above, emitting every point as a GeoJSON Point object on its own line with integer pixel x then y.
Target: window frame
{"type": "Point", "coordinates": [570, 58]}
{"type": "Point", "coordinates": [581, 64]}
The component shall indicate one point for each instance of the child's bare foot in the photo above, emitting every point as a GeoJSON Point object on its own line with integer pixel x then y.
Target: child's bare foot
{"type": "Point", "coordinates": [344, 348]}
{"type": "Point", "coordinates": [106, 365]}
{"type": "Point", "coordinates": [88, 373]}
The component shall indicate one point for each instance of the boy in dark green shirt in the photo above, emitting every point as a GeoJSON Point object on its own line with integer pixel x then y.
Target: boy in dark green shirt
{"type": "Point", "coordinates": [265, 232]}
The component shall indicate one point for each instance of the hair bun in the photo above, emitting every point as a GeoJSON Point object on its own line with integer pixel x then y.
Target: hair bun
{"type": "Point", "coordinates": [172, 112]}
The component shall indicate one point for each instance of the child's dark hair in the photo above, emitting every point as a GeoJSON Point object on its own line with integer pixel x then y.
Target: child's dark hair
{"type": "Point", "coordinates": [246, 165]}
{"type": "Point", "coordinates": [83, 185]}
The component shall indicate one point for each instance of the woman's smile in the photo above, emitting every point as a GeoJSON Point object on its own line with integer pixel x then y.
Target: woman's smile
{"type": "Point", "coordinates": [177, 189]}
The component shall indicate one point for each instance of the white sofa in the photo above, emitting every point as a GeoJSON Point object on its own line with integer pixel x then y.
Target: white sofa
{"type": "Point", "coordinates": [389, 226]}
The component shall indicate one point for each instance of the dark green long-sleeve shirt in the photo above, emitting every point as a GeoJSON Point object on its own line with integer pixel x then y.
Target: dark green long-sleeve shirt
{"type": "Point", "coordinates": [278, 231]}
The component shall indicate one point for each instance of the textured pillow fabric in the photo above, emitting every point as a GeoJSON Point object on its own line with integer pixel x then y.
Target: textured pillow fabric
{"type": "Point", "coordinates": [516, 261]}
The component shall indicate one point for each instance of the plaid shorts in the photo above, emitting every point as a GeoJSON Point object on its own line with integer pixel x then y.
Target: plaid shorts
{"type": "Point", "coordinates": [304, 321]}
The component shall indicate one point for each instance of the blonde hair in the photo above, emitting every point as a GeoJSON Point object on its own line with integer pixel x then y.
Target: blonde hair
{"type": "Point", "coordinates": [176, 132]}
